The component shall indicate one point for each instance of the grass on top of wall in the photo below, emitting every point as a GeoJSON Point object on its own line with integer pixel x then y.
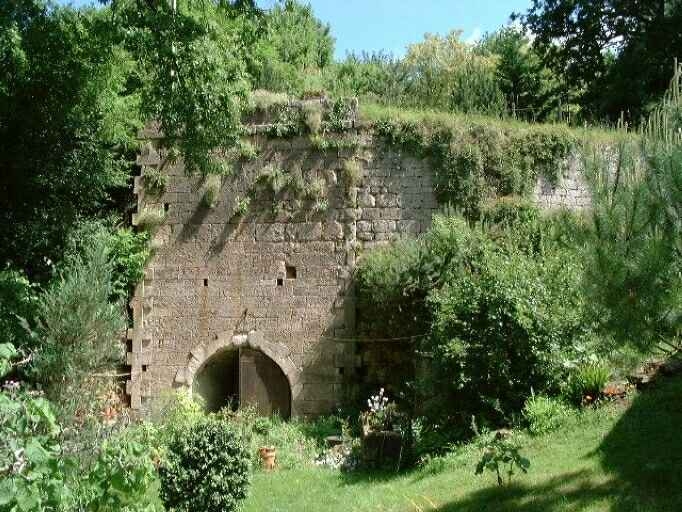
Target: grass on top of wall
{"type": "Point", "coordinates": [372, 112]}
{"type": "Point", "coordinates": [624, 457]}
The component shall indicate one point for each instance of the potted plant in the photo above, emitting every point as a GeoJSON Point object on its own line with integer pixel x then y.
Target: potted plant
{"type": "Point", "coordinates": [267, 452]}
{"type": "Point", "coordinates": [381, 443]}
{"type": "Point", "coordinates": [268, 457]}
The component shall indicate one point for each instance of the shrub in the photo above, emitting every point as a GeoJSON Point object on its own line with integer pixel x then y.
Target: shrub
{"type": "Point", "coordinates": [206, 469]}
{"type": "Point", "coordinates": [315, 190]}
{"type": "Point", "coordinates": [34, 473]}
{"type": "Point", "coordinates": [544, 414]}
{"type": "Point", "coordinates": [474, 160]}
{"type": "Point", "coordinates": [444, 72]}
{"type": "Point", "coordinates": [586, 383]}
{"type": "Point", "coordinates": [128, 252]}
{"type": "Point", "coordinates": [352, 175]}
{"type": "Point", "coordinates": [501, 454]}
{"type": "Point", "coordinates": [247, 151]}
{"type": "Point", "coordinates": [150, 218]}
{"type": "Point", "coordinates": [124, 476]}
{"type": "Point", "coordinates": [498, 311]}
{"type": "Point", "coordinates": [241, 206]}
{"type": "Point", "coordinates": [312, 113]}
{"type": "Point", "coordinates": [78, 328]}
{"type": "Point", "coordinates": [298, 442]}
{"type": "Point", "coordinates": [17, 300]}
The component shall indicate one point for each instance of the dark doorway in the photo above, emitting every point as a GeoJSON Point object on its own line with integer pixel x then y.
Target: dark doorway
{"type": "Point", "coordinates": [218, 381]}
{"type": "Point", "coordinates": [244, 377]}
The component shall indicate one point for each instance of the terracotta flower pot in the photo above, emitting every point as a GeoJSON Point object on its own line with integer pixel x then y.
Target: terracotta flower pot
{"type": "Point", "coordinates": [267, 456]}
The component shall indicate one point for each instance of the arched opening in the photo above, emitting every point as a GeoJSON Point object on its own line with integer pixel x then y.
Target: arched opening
{"type": "Point", "coordinates": [244, 377]}
{"type": "Point", "coordinates": [217, 382]}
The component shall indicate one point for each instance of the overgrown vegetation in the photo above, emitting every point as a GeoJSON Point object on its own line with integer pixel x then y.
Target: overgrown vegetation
{"type": "Point", "coordinates": [513, 313]}
{"type": "Point", "coordinates": [476, 161]}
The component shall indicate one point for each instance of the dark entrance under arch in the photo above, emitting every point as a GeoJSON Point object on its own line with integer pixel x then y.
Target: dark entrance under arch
{"type": "Point", "coordinates": [244, 377]}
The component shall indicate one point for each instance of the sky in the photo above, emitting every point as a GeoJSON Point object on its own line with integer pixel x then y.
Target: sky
{"type": "Point", "coordinates": [390, 25]}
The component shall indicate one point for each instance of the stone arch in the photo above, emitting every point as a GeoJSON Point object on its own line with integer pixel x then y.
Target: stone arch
{"type": "Point", "coordinates": [255, 340]}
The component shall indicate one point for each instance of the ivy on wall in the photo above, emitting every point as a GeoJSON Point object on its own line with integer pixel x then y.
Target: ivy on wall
{"type": "Point", "coordinates": [473, 160]}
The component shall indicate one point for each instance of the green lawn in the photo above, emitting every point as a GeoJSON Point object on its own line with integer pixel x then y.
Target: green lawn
{"type": "Point", "coordinates": [623, 458]}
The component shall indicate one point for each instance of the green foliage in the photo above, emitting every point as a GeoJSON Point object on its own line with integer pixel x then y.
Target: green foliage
{"type": "Point", "coordinates": [206, 468]}
{"type": "Point", "coordinates": [211, 191]}
{"type": "Point", "coordinates": [377, 75]}
{"type": "Point", "coordinates": [502, 309]}
{"type": "Point", "coordinates": [33, 471]}
{"type": "Point", "coordinates": [502, 454]}
{"type": "Point", "coordinates": [594, 46]}
{"type": "Point", "coordinates": [298, 442]}
{"type": "Point", "coordinates": [241, 206]}
{"type": "Point", "coordinates": [352, 176]}
{"type": "Point", "coordinates": [334, 143]}
{"type": "Point", "coordinates": [150, 218]}
{"type": "Point", "coordinates": [544, 414]}
{"type": "Point", "coordinates": [634, 252]}
{"type": "Point", "coordinates": [586, 383]}
{"type": "Point", "coordinates": [295, 43]}
{"type": "Point", "coordinates": [66, 108]}
{"type": "Point", "coordinates": [532, 91]}
{"type": "Point", "coordinates": [247, 151]}
{"type": "Point", "coordinates": [315, 190]}
{"type": "Point", "coordinates": [128, 253]}
{"type": "Point", "coordinates": [312, 114]}
{"type": "Point", "coordinates": [17, 300]}
{"type": "Point", "coordinates": [124, 475]}
{"type": "Point", "coordinates": [78, 328]}
{"type": "Point", "coordinates": [192, 70]}
{"type": "Point", "coordinates": [473, 160]}
{"type": "Point", "coordinates": [155, 181]}
{"type": "Point", "coordinates": [446, 73]}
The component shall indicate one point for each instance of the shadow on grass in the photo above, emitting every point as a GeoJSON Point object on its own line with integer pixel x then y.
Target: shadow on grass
{"type": "Point", "coordinates": [644, 449]}
{"type": "Point", "coordinates": [572, 491]}
{"type": "Point", "coordinates": [642, 453]}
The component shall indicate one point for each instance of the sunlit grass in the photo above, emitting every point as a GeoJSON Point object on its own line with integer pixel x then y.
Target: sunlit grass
{"type": "Point", "coordinates": [616, 458]}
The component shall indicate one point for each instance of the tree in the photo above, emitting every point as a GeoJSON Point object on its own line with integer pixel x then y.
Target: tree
{"type": "Point", "coordinates": [67, 124]}
{"type": "Point", "coordinates": [597, 45]}
{"type": "Point", "coordinates": [531, 89]}
{"type": "Point", "coordinates": [295, 45]}
{"type": "Point", "coordinates": [444, 72]}
{"type": "Point", "coordinates": [77, 84]}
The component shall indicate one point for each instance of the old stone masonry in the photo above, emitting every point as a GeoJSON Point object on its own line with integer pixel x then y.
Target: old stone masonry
{"type": "Point", "coordinates": [248, 297]}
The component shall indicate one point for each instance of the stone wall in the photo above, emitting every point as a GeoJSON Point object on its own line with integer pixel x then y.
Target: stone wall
{"type": "Point", "coordinates": [277, 281]}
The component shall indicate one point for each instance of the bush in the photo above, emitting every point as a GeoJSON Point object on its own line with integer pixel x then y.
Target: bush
{"type": "Point", "coordinates": [128, 252]}
{"type": "Point", "coordinates": [501, 307]}
{"type": "Point", "coordinates": [586, 383]}
{"type": "Point", "coordinates": [211, 191]}
{"type": "Point", "coordinates": [34, 473]}
{"type": "Point", "coordinates": [298, 443]}
{"type": "Point", "coordinates": [78, 328]}
{"type": "Point", "coordinates": [544, 414]}
{"type": "Point", "coordinates": [206, 469]}
{"type": "Point", "coordinates": [124, 476]}
{"type": "Point", "coordinates": [17, 300]}
{"type": "Point", "coordinates": [473, 160]}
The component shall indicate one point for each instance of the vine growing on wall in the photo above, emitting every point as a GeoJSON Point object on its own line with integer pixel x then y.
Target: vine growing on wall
{"type": "Point", "coordinates": [473, 161]}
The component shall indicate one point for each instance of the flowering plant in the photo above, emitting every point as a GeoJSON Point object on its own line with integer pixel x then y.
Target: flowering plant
{"type": "Point", "coordinates": [381, 412]}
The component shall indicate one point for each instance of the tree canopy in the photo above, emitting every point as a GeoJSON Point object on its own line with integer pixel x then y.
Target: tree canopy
{"type": "Point", "coordinates": [618, 53]}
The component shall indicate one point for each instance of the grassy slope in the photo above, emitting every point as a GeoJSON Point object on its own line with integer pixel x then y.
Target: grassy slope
{"type": "Point", "coordinates": [617, 458]}
{"type": "Point", "coordinates": [373, 112]}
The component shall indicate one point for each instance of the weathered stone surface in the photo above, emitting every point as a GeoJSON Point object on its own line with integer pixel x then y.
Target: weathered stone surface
{"type": "Point", "coordinates": [280, 282]}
